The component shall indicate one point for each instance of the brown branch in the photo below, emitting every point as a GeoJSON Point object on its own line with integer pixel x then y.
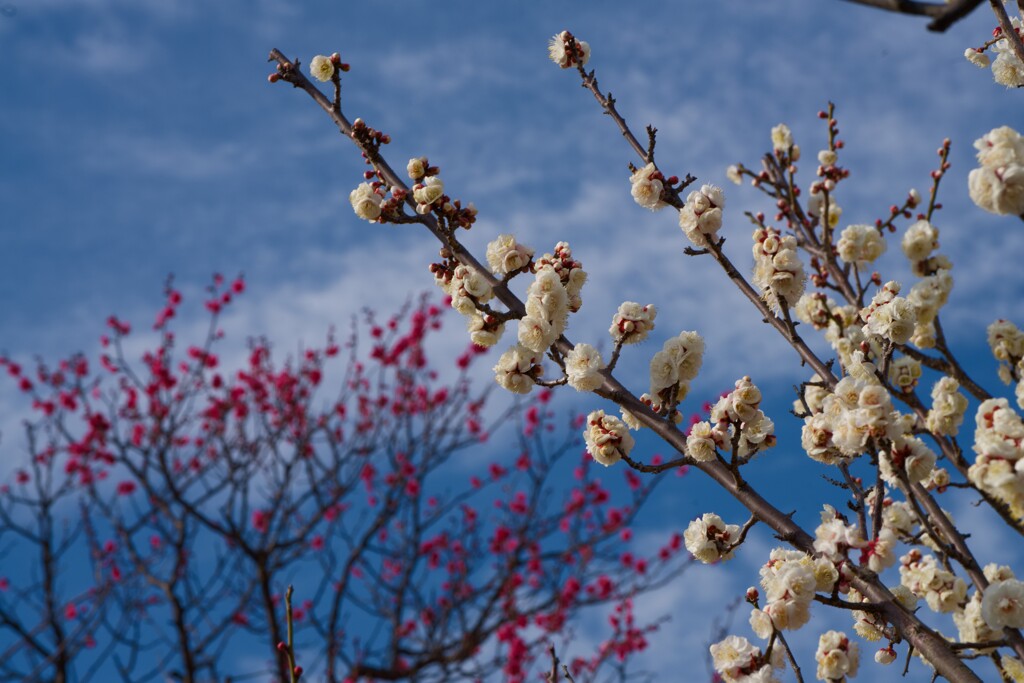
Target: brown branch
{"type": "Point", "coordinates": [943, 14]}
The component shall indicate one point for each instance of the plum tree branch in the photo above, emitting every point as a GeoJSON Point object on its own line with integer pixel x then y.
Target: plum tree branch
{"type": "Point", "coordinates": [924, 639]}
{"type": "Point", "coordinates": [943, 14]}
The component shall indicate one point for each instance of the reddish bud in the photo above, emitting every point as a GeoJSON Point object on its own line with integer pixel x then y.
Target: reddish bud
{"type": "Point", "coordinates": [274, 77]}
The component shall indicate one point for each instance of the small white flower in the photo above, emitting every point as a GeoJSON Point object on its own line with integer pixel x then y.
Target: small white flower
{"type": "Point", "coordinates": [709, 539]}
{"type": "Point", "coordinates": [607, 438]}
{"type": "Point", "coordinates": [416, 168]}
{"type": "Point", "coordinates": [505, 255]}
{"type": "Point", "coordinates": [516, 369]}
{"type": "Point", "coordinates": [860, 244]}
{"type": "Point", "coordinates": [632, 323]}
{"type": "Point", "coordinates": [782, 138]}
{"type": "Point", "coordinates": [701, 216]}
{"type": "Point", "coordinates": [1003, 604]}
{"type": "Point", "coordinates": [321, 68]}
{"type": "Point", "coordinates": [558, 51]}
{"type": "Point", "coordinates": [646, 190]}
{"type": "Point", "coordinates": [978, 59]}
{"type": "Point", "coordinates": [582, 367]}
{"type": "Point", "coordinates": [366, 202]}
{"type": "Point", "coordinates": [429, 191]}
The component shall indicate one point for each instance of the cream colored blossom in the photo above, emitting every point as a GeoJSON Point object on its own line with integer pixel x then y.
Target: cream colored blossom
{"type": "Point", "coordinates": [837, 657]}
{"type": "Point", "coordinates": [782, 138]}
{"type": "Point", "coordinates": [701, 216]}
{"type": "Point", "coordinates": [429, 191]}
{"type": "Point", "coordinates": [978, 59]}
{"type": "Point", "coordinates": [860, 244]}
{"type": "Point", "coordinates": [646, 190]}
{"type": "Point", "coordinates": [583, 367]}
{"type": "Point", "coordinates": [948, 408]}
{"type": "Point", "coordinates": [632, 323]}
{"type": "Point", "coordinates": [709, 539]}
{"type": "Point", "coordinates": [416, 168]}
{"type": "Point", "coordinates": [321, 68]}
{"type": "Point", "coordinates": [1002, 604]}
{"type": "Point", "coordinates": [920, 240]}
{"type": "Point", "coordinates": [517, 368]}
{"type": "Point", "coordinates": [559, 53]}
{"type": "Point", "coordinates": [505, 255]}
{"type": "Point", "coordinates": [366, 202]}
{"type": "Point", "coordinates": [607, 438]}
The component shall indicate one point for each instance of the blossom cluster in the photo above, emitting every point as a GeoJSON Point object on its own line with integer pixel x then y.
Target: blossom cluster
{"type": "Point", "coordinates": [737, 424]}
{"type": "Point", "coordinates": [710, 540]}
{"type": "Point", "coordinates": [999, 444]}
{"type": "Point", "coordinates": [1007, 69]}
{"type": "Point", "coordinates": [778, 270]}
{"type": "Point", "coordinates": [998, 184]}
{"type": "Point", "coordinates": [738, 661]}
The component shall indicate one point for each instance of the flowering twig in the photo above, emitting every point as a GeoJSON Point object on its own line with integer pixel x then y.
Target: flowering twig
{"type": "Point", "coordinates": [1009, 32]}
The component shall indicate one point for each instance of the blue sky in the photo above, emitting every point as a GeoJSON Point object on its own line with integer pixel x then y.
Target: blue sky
{"type": "Point", "coordinates": [140, 138]}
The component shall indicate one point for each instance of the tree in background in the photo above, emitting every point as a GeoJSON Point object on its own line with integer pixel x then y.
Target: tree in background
{"type": "Point", "coordinates": [162, 505]}
{"type": "Point", "coordinates": [885, 551]}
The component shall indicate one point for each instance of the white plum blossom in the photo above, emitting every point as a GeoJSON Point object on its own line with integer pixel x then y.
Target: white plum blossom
{"type": "Point", "coordinates": [483, 331]}
{"type": "Point", "coordinates": [739, 410]}
{"type": "Point", "coordinates": [701, 442]}
{"type": "Point", "coordinates": [559, 53]}
{"type": "Point", "coordinates": [998, 185]}
{"type": "Point", "coordinates": [366, 202]}
{"type": "Point", "coordinates": [904, 373]}
{"type": "Point", "coordinates": [999, 466]}
{"type": "Point", "coordinates": [677, 363]}
{"type": "Point", "coordinates": [978, 59]}
{"type": "Point", "coordinates": [1007, 69]}
{"type": "Point", "coordinates": [815, 308]}
{"type": "Point", "coordinates": [468, 284]}
{"type": "Point", "coordinates": [505, 255]}
{"type": "Point", "coordinates": [701, 216]}
{"type": "Point", "coordinates": [732, 173]}
{"type": "Point", "coordinates": [834, 538]}
{"type": "Point", "coordinates": [547, 311]}
{"type": "Point", "coordinates": [889, 316]}
{"type": "Point", "coordinates": [583, 367]}
{"type": "Point", "coordinates": [737, 661]}
{"type": "Point", "coordinates": [925, 578]}
{"type": "Point", "coordinates": [948, 408]}
{"type": "Point", "coordinates": [910, 455]}
{"type": "Point", "coordinates": [646, 190]}
{"type": "Point", "coordinates": [321, 68]}
{"type": "Point", "coordinates": [1002, 605]}
{"type": "Point", "coordinates": [1007, 344]}
{"type": "Point", "coordinates": [837, 657]}
{"type": "Point", "coordinates": [428, 191]}
{"type": "Point", "coordinates": [971, 624]}
{"type": "Point", "coordinates": [778, 271]}
{"type": "Point", "coordinates": [860, 244]}
{"type": "Point", "coordinates": [782, 138]}
{"type": "Point", "coordinates": [607, 438]}
{"type": "Point", "coordinates": [416, 168]}
{"type": "Point", "coordinates": [709, 539]}
{"type": "Point", "coordinates": [569, 271]}
{"type": "Point", "coordinates": [920, 240]}
{"type": "Point", "coordinates": [632, 323]}
{"type": "Point", "coordinates": [517, 368]}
